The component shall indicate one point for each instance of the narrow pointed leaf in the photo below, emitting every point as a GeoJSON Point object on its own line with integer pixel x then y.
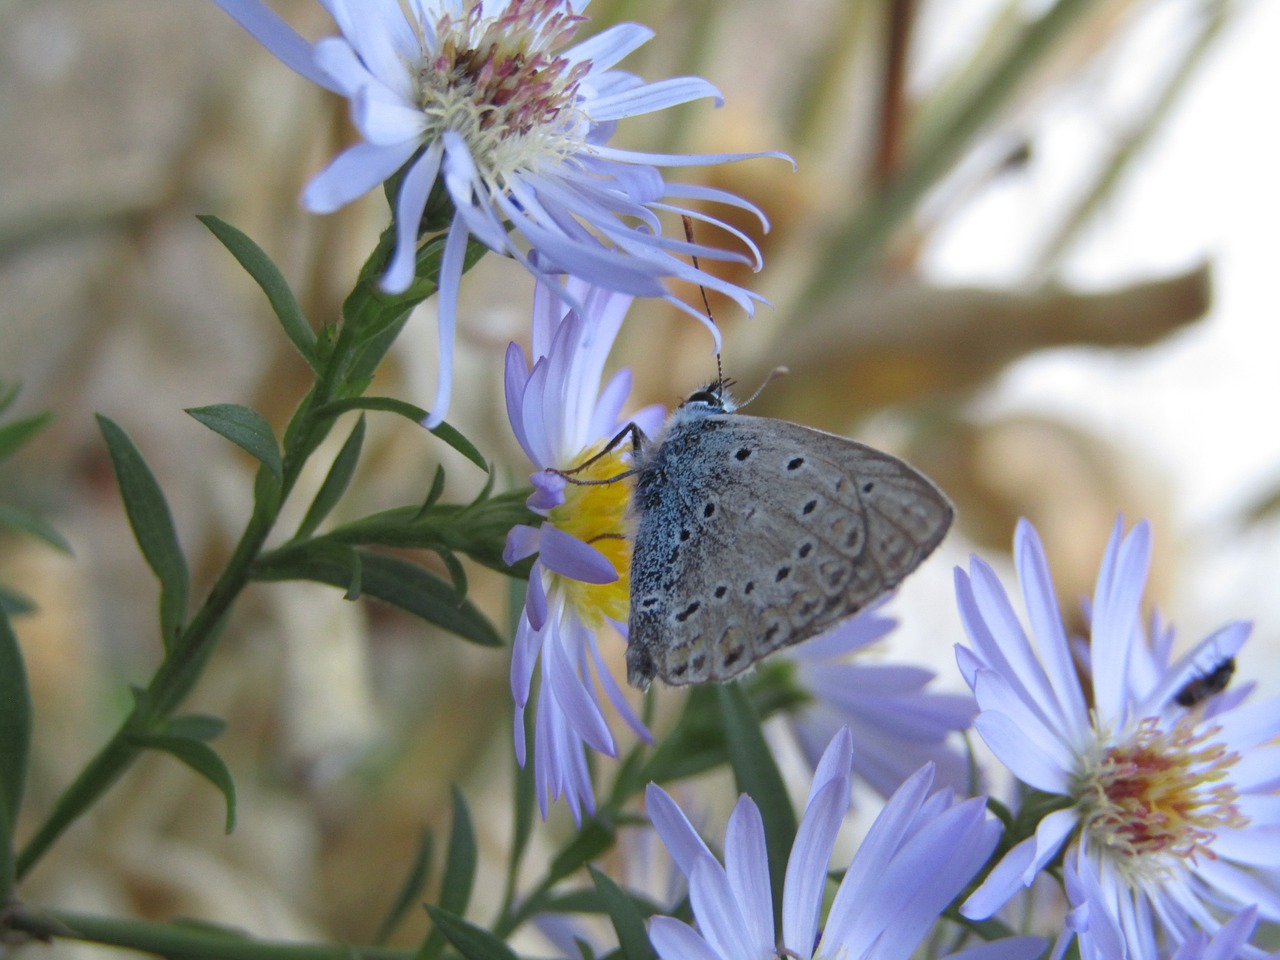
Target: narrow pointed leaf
{"type": "Point", "coordinates": [268, 276]}
{"type": "Point", "coordinates": [152, 526]}
{"type": "Point", "coordinates": [335, 483]}
{"type": "Point", "coordinates": [445, 432]}
{"type": "Point", "coordinates": [244, 427]}
{"type": "Point", "coordinates": [460, 861]}
{"type": "Point", "coordinates": [593, 838]}
{"type": "Point", "coordinates": [459, 875]}
{"type": "Point", "coordinates": [390, 579]}
{"type": "Point", "coordinates": [757, 775]}
{"type": "Point", "coordinates": [474, 943]}
{"type": "Point", "coordinates": [13, 603]}
{"type": "Point", "coordinates": [17, 519]}
{"type": "Point", "coordinates": [195, 726]}
{"type": "Point", "coordinates": [627, 918]}
{"type": "Point", "coordinates": [201, 758]}
{"type": "Point", "coordinates": [15, 746]}
{"type": "Point", "coordinates": [410, 890]}
{"type": "Point", "coordinates": [14, 435]}
{"type": "Point", "coordinates": [456, 573]}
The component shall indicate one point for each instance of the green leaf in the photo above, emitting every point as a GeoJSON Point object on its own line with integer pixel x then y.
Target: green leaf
{"type": "Point", "coordinates": [456, 573]}
{"type": "Point", "coordinates": [460, 861]}
{"type": "Point", "coordinates": [757, 775]}
{"type": "Point", "coordinates": [195, 726]}
{"type": "Point", "coordinates": [17, 519]}
{"type": "Point", "coordinates": [459, 875]}
{"type": "Point", "coordinates": [268, 276]}
{"type": "Point", "coordinates": [593, 838]}
{"type": "Point", "coordinates": [245, 428]}
{"type": "Point", "coordinates": [627, 918]}
{"type": "Point", "coordinates": [15, 746]}
{"type": "Point", "coordinates": [471, 941]}
{"type": "Point", "coordinates": [13, 603]}
{"type": "Point", "coordinates": [201, 758]}
{"type": "Point", "coordinates": [152, 526]}
{"type": "Point", "coordinates": [8, 394]}
{"type": "Point", "coordinates": [14, 435]}
{"type": "Point", "coordinates": [390, 579]}
{"type": "Point", "coordinates": [410, 890]}
{"type": "Point", "coordinates": [445, 432]}
{"type": "Point", "coordinates": [335, 482]}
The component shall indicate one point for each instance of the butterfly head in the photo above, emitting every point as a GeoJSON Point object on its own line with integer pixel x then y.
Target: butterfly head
{"type": "Point", "coordinates": [713, 398]}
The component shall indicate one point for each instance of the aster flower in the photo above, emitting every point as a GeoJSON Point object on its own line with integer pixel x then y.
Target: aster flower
{"type": "Point", "coordinates": [579, 583]}
{"type": "Point", "coordinates": [897, 725]}
{"type": "Point", "coordinates": [488, 98]}
{"type": "Point", "coordinates": [1165, 810]}
{"type": "Point", "coordinates": [919, 853]}
{"type": "Point", "coordinates": [1098, 936]}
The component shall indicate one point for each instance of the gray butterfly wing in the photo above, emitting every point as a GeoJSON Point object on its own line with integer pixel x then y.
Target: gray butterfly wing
{"type": "Point", "coordinates": [754, 534]}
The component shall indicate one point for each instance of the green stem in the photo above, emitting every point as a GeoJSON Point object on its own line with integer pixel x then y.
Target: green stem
{"type": "Point", "coordinates": [178, 673]}
{"type": "Point", "coordinates": [178, 939]}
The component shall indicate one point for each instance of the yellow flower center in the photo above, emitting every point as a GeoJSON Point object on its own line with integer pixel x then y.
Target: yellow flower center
{"type": "Point", "coordinates": [494, 82]}
{"type": "Point", "coordinates": [1159, 797]}
{"type": "Point", "coordinates": [596, 513]}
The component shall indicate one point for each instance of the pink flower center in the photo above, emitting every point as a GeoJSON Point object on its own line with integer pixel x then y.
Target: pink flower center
{"type": "Point", "coordinates": [498, 82]}
{"type": "Point", "coordinates": [1162, 794]}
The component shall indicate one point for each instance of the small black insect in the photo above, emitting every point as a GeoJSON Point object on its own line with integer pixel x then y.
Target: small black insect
{"type": "Point", "coordinates": [1201, 688]}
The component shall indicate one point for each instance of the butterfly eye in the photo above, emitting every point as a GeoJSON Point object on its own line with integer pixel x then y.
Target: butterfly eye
{"type": "Point", "coordinates": [705, 396]}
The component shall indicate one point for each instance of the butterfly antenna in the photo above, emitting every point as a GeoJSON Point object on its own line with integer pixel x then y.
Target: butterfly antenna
{"type": "Point", "coordinates": [774, 374]}
{"type": "Point", "coordinates": [706, 304]}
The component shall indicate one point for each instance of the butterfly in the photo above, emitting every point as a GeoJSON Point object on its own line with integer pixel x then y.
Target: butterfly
{"type": "Point", "coordinates": [752, 534]}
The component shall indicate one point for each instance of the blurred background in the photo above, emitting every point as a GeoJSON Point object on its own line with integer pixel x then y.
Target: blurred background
{"type": "Point", "coordinates": [1027, 248]}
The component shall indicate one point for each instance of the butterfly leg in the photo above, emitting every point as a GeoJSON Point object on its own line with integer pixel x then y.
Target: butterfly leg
{"type": "Point", "coordinates": [638, 439]}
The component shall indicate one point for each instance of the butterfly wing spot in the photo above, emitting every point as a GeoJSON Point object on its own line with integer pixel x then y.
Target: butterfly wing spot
{"type": "Point", "coordinates": [709, 510]}
{"type": "Point", "coordinates": [649, 602]}
{"type": "Point", "coordinates": [795, 463]}
{"type": "Point", "coordinates": [748, 587]}
{"type": "Point", "coordinates": [688, 611]}
{"type": "Point", "coordinates": [782, 574]}
{"type": "Point", "coordinates": [743, 453]}
{"type": "Point", "coordinates": [804, 550]}
{"type": "Point", "coordinates": [835, 573]}
{"type": "Point", "coordinates": [721, 590]}
{"type": "Point", "coordinates": [685, 534]}
{"type": "Point", "coordinates": [868, 486]}
{"type": "Point", "coordinates": [805, 606]}
{"type": "Point", "coordinates": [809, 507]}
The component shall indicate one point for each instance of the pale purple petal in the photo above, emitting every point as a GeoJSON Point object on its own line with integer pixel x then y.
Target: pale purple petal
{"type": "Point", "coordinates": [1115, 620]}
{"type": "Point", "coordinates": [410, 203]}
{"type": "Point", "coordinates": [653, 96]}
{"type": "Point", "coordinates": [1046, 625]}
{"type": "Point", "coordinates": [535, 598]}
{"type": "Point", "coordinates": [353, 173]}
{"type": "Point", "coordinates": [609, 46]}
{"type": "Point", "coordinates": [1022, 753]}
{"type": "Point", "coordinates": [1002, 883]}
{"type": "Point", "coordinates": [384, 119]}
{"type": "Point", "coordinates": [746, 862]}
{"type": "Point", "coordinates": [568, 556]}
{"type": "Point", "coordinates": [686, 159]}
{"type": "Point", "coordinates": [522, 541]}
{"type": "Point", "coordinates": [675, 829]}
{"type": "Point", "coordinates": [617, 698]}
{"type": "Point", "coordinates": [455, 248]}
{"type": "Point", "coordinates": [719, 915]}
{"type": "Point", "coordinates": [265, 26]}
{"type": "Point", "coordinates": [807, 866]}
{"type": "Point", "coordinates": [1011, 948]}
{"type": "Point", "coordinates": [576, 702]}
{"type": "Point", "coordinates": [675, 941]}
